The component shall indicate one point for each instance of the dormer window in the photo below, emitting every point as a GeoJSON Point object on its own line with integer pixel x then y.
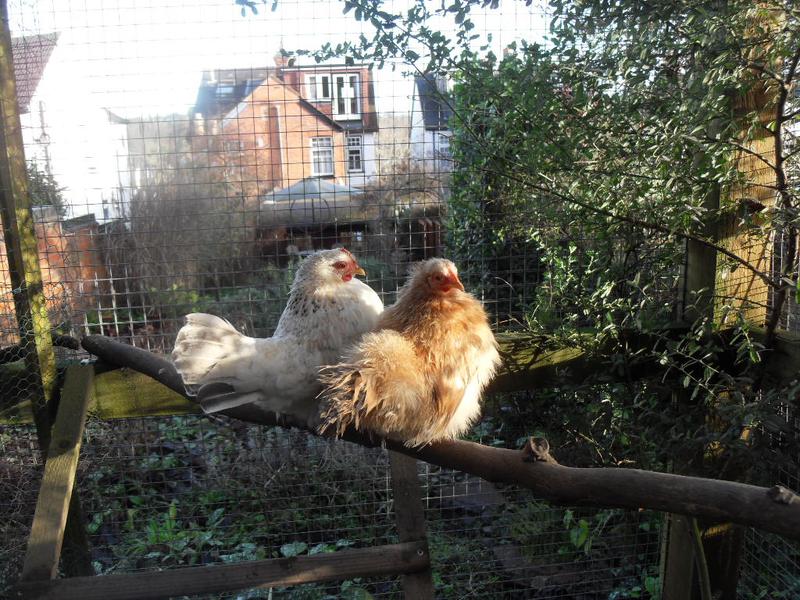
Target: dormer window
{"type": "Point", "coordinates": [318, 88]}
{"type": "Point", "coordinates": [342, 90]}
{"type": "Point", "coordinates": [346, 87]}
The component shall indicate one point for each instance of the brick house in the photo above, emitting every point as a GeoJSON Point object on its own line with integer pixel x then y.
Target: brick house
{"type": "Point", "coordinates": [268, 128]}
{"type": "Point", "coordinates": [74, 275]}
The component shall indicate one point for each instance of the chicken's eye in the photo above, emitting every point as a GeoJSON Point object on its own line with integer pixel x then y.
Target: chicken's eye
{"type": "Point", "coordinates": [438, 277]}
{"type": "Point", "coordinates": [339, 265]}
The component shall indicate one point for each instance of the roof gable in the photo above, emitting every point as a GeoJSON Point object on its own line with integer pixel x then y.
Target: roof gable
{"type": "Point", "coordinates": [288, 94]}
{"type": "Point", "coordinates": [31, 54]}
{"type": "Point", "coordinates": [222, 89]}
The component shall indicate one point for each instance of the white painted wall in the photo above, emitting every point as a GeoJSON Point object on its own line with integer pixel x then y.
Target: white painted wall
{"type": "Point", "coordinates": [87, 153]}
{"type": "Point", "coordinates": [430, 150]}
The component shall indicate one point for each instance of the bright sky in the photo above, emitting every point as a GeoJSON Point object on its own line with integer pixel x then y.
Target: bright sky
{"type": "Point", "coordinates": [146, 56]}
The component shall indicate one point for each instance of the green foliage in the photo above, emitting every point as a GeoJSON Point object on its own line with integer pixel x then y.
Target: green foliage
{"type": "Point", "coordinates": [584, 151]}
{"type": "Point", "coordinates": [582, 165]}
{"type": "Point", "coordinates": [44, 190]}
{"type": "Point", "coordinates": [253, 308]}
{"type": "Point", "coordinates": [156, 514]}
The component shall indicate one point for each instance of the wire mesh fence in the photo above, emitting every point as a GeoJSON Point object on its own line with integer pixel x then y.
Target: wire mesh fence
{"type": "Point", "coordinates": [182, 159]}
{"type": "Point", "coordinates": [174, 492]}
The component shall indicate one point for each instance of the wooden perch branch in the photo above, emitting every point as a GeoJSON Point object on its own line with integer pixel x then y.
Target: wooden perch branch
{"type": "Point", "coordinates": [773, 509]}
{"type": "Point", "coordinates": [17, 351]}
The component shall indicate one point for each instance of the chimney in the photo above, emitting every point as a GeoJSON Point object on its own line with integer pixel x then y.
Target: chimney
{"type": "Point", "coordinates": [281, 59]}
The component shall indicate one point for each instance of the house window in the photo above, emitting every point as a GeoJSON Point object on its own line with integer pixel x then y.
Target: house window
{"type": "Point", "coordinates": [346, 90]}
{"type": "Point", "coordinates": [442, 147]}
{"type": "Point", "coordinates": [318, 88]}
{"type": "Point", "coordinates": [233, 145]}
{"type": "Point", "coordinates": [355, 154]}
{"type": "Point", "coordinates": [321, 156]}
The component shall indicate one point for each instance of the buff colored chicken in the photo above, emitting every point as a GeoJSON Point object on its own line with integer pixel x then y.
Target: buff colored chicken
{"type": "Point", "coordinates": [419, 377]}
{"type": "Point", "coordinates": [328, 310]}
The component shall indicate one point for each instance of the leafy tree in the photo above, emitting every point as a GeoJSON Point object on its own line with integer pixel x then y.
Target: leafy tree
{"type": "Point", "coordinates": [44, 189]}
{"type": "Point", "coordinates": [188, 242]}
{"type": "Point", "coordinates": [587, 163]}
{"type": "Point", "coordinates": [611, 148]}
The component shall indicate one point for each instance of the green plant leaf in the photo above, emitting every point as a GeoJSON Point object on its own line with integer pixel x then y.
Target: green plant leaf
{"type": "Point", "coordinates": [293, 549]}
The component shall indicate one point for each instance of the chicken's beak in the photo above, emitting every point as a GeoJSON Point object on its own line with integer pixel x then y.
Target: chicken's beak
{"type": "Point", "coordinates": [456, 282]}
{"type": "Point", "coordinates": [360, 271]}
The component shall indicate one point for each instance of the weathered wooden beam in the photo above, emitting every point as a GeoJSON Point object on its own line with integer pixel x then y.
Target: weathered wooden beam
{"type": "Point", "coordinates": [118, 394]}
{"type": "Point", "coordinates": [124, 393]}
{"type": "Point", "coordinates": [52, 506]}
{"type": "Point", "coordinates": [391, 559]}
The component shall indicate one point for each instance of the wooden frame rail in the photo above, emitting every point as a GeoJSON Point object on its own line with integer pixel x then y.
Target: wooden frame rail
{"type": "Point", "coordinates": [409, 558]}
{"type": "Point", "coordinates": [55, 494]}
{"type": "Point", "coordinates": [390, 559]}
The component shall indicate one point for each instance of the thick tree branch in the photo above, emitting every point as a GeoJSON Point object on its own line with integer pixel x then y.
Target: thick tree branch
{"type": "Point", "coordinates": [775, 509]}
{"type": "Point", "coordinates": [17, 351]}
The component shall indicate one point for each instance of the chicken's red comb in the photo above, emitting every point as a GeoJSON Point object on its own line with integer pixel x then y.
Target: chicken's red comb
{"type": "Point", "coordinates": [346, 251]}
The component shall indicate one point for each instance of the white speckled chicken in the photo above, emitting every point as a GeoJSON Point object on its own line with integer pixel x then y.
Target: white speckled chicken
{"type": "Point", "coordinates": [328, 310]}
{"type": "Point", "coordinates": [418, 378]}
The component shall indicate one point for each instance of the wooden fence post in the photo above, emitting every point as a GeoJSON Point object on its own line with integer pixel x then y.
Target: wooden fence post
{"type": "Point", "coordinates": [410, 518]}
{"type": "Point", "coordinates": [732, 292]}
{"type": "Point", "coordinates": [19, 232]}
{"type": "Point", "coordinates": [56, 493]}
{"type": "Point", "coordinates": [30, 304]}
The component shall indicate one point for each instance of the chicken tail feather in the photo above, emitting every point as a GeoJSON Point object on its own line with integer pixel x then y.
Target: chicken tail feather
{"type": "Point", "coordinates": [204, 344]}
{"type": "Point", "coordinates": [377, 388]}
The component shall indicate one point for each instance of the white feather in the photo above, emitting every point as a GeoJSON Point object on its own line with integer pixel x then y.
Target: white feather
{"type": "Point", "coordinates": [324, 315]}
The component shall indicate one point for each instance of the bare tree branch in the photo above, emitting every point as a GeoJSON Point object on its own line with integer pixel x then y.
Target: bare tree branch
{"type": "Point", "coordinates": [17, 351]}
{"type": "Point", "coordinates": [773, 509]}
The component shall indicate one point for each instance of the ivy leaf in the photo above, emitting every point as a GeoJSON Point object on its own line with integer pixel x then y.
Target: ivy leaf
{"type": "Point", "coordinates": [578, 535]}
{"type": "Point", "coordinates": [293, 549]}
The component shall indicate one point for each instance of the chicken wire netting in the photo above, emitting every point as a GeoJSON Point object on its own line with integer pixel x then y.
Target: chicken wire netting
{"type": "Point", "coordinates": [181, 161]}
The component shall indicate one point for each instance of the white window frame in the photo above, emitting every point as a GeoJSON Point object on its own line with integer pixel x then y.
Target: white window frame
{"type": "Point", "coordinates": [347, 104]}
{"type": "Point", "coordinates": [232, 146]}
{"type": "Point", "coordinates": [355, 146]}
{"type": "Point", "coordinates": [320, 146]}
{"type": "Point", "coordinates": [442, 145]}
{"type": "Point", "coordinates": [315, 87]}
